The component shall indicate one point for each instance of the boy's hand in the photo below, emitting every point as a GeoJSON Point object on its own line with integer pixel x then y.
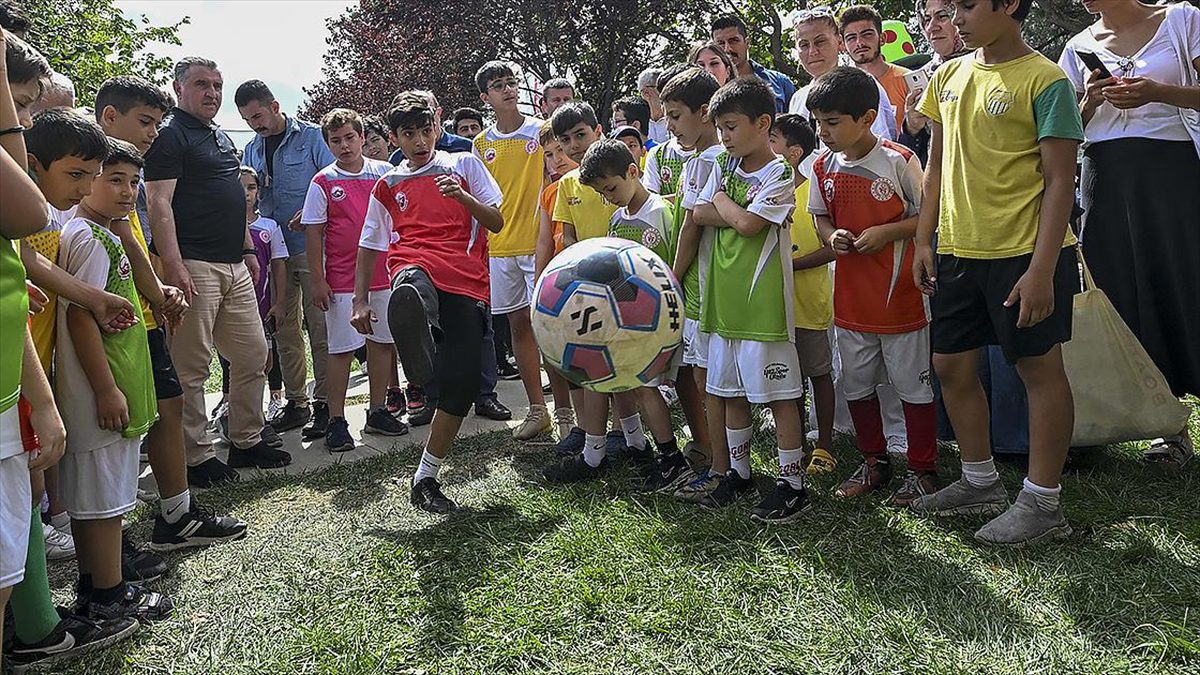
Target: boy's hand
{"type": "Point", "coordinates": [37, 298]}
{"type": "Point", "coordinates": [112, 312]}
{"type": "Point", "coordinates": [174, 305]}
{"type": "Point", "coordinates": [122, 228]}
{"type": "Point", "coordinates": [1035, 292]}
{"type": "Point", "coordinates": [362, 316]}
{"type": "Point", "coordinates": [112, 412]}
{"type": "Point", "coordinates": [252, 267]}
{"type": "Point", "coordinates": [294, 224]}
{"type": "Point", "coordinates": [871, 241]}
{"type": "Point", "coordinates": [321, 294]}
{"type": "Point", "coordinates": [450, 187]}
{"type": "Point", "coordinates": [52, 437]}
{"type": "Point", "coordinates": [924, 269]}
{"type": "Point", "coordinates": [842, 242]}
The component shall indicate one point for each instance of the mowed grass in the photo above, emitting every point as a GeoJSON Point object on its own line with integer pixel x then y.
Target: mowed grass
{"type": "Point", "coordinates": [339, 574]}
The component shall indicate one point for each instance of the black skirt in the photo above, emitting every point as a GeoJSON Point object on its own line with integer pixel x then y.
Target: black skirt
{"type": "Point", "coordinates": [1141, 240]}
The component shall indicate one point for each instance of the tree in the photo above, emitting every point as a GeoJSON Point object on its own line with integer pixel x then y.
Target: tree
{"type": "Point", "coordinates": [90, 41]}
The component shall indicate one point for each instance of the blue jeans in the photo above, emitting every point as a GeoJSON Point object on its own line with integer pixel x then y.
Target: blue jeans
{"type": "Point", "coordinates": [487, 373]}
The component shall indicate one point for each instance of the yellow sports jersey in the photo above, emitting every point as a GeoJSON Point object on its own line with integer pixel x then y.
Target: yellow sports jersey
{"type": "Point", "coordinates": [992, 118]}
{"type": "Point", "coordinates": [147, 313]}
{"type": "Point", "coordinates": [515, 161]}
{"type": "Point", "coordinates": [812, 288]}
{"type": "Point", "coordinates": [42, 325]}
{"type": "Point", "coordinates": [583, 207]}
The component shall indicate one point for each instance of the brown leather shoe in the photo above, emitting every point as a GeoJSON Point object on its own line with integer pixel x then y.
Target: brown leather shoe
{"type": "Point", "coordinates": [873, 474]}
{"type": "Point", "coordinates": [915, 485]}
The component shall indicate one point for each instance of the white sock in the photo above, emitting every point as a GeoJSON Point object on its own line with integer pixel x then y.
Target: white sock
{"type": "Point", "coordinates": [1047, 498]}
{"type": "Point", "coordinates": [61, 521]}
{"type": "Point", "coordinates": [980, 474]}
{"type": "Point", "coordinates": [791, 467]}
{"type": "Point", "coordinates": [428, 467]}
{"type": "Point", "coordinates": [173, 508]}
{"type": "Point", "coordinates": [594, 449]}
{"type": "Point", "coordinates": [739, 449]}
{"type": "Point", "coordinates": [632, 428]}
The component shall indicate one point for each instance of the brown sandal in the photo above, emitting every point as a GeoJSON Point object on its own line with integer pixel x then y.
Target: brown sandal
{"type": "Point", "coordinates": [1174, 450]}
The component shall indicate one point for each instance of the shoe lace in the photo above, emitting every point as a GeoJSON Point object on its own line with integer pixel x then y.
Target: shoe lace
{"type": "Point", "coordinates": [912, 484]}
{"type": "Point", "coordinates": [862, 474]}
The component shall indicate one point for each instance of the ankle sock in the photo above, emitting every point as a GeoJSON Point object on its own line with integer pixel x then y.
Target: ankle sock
{"type": "Point", "coordinates": [791, 467]}
{"type": "Point", "coordinates": [980, 474]}
{"type": "Point", "coordinates": [107, 595]}
{"type": "Point", "coordinates": [61, 521]}
{"type": "Point", "coordinates": [1048, 499]}
{"type": "Point", "coordinates": [632, 428]}
{"type": "Point", "coordinates": [739, 449]}
{"type": "Point", "coordinates": [594, 449]}
{"type": "Point", "coordinates": [34, 616]}
{"type": "Point", "coordinates": [173, 508]}
{"type": "Point", "coordinates": [667, 448]}
{"type": "Point", "coordinates": [428, 467]}
{"type": "Point", "coordinates": [868, 426]}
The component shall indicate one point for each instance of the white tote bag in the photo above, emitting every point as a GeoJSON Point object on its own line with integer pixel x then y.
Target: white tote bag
{"type": "Point", "coordinates": [1120, 395]}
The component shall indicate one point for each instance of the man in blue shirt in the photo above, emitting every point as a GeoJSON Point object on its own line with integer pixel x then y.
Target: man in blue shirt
{"type": "Point", "coordinates": [730, 33]}
{"type": "Point", "coordinates": [287, 153]}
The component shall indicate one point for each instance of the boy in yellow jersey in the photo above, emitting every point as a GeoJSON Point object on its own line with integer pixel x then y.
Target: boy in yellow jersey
{"type": "Point", "coordinates": [999, 188]}
{"type": "Point", "coordinates": [512, 154]}
{"type": "Point", "coordinates": [793, 139]}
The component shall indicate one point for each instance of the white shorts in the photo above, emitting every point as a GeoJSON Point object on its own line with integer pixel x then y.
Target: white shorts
{"type": "Point", "coordinates": [16, 508]}
{"type": "Point", "coordinates": [873, 359]}
{"type": "Point", "coordinates": [760, 372]}
{"type": "Point", "coordinates": [101, 483]}
{"type": "Point", "coordinates": [512, 281]}
{"type": "Point", "coordinates": [695, 344]}
{"type": "Point", "coordinates": [341, 336]}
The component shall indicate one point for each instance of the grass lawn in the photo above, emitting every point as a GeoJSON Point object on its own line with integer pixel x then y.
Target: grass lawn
{"type": "Point", "coordinates": [341, 575]}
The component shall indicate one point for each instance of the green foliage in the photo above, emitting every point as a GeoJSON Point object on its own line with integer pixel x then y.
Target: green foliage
{"type": "Point", "coordinates": [90, 41]}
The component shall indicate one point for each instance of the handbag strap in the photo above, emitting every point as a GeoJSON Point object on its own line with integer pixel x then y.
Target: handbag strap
{"type": "Point", "coordinates": [1089, 284]}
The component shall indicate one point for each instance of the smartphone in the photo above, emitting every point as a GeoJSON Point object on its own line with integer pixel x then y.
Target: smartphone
{"type": "Point", "coordinates": [917, 79]}
{"type": "Point", "coordinates": [1093, 62]}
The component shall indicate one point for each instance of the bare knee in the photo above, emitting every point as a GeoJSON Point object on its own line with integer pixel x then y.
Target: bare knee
{"type": "Point", "coordinates": [957, 371]}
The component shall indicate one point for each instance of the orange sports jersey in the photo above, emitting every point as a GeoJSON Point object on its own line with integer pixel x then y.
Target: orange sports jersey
{"type": "Point", "coordinates": [549, 195]}
{"type": "Point", "coordinates": [872, 293]}
{"type": "Point", "coordinates": [515, 161]}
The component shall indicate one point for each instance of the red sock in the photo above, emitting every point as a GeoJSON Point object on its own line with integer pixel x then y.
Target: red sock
{"type": "Point", "coordinates": [868, 426]}
{"type": "Point", "coordinates": [920, 422]}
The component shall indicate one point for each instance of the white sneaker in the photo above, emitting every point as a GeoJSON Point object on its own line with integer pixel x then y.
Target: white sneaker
{"type": "Point", "coordinates": [897, 446]}
{"type": "Point", "coordinates": [273, 407]}
{"type": "Point", "coordinates": [59, 545]}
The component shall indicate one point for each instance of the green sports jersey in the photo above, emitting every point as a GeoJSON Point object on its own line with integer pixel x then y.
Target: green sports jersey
{"type": "Point", "coordinates": [650, 226]}
{"type": "Point", "coordinates": [14, 313]}
{"type": "Point", "coordinates": [748, 294]}
{"type": "Point", "coordinates": [664, 167]}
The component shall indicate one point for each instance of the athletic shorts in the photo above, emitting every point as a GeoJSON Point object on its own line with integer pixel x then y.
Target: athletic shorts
{"type": "Point", "coordinates": [873, 359]}
{"type": "Point", "coordinates": [512, 281]}
{"type": "Point", "coordinates": [341, 337]}
{"type": "Point", "coordinates": [101, 483]}
{"type": "Point", "coordinates": [16, 505]}
{"type": "Point", "coordinates": [814, 352]}
{"type": "Point", "coordinates": [760, 372]}
{"type": "Point", "coordinates": [695, 344]}
{"type": "Point", "coordinates": [969, 312]}
{"type": "Point", "coordinates": [166, 382]}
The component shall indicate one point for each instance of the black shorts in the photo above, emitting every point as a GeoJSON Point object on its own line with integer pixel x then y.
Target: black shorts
{"type": "Point", "coordinates": [166, 382]}
{"type": "Point", "coordinates": [969, 313]}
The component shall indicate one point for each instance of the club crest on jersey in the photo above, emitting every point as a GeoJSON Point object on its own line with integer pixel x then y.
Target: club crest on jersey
{"type": "Point", "coordinates": [337, 193]}
{"type": "Point", "coordinates": [123, 269]}
{"type": "Point", "coordinates": [882, 189]}
{"type": "Point", "coordinates": [999, 102]}
{"type": "Point", "coordinates": [531, 146]}
{"type": "Point", "coordinates": [827, 186]}
{"type": "Point", "coordinates": [651, 238]}
{"type": "Point", "coordinates": [489, 155]}
{"type": "Point", "coordinates": [665, 174]}
{"type": "Point", "coordinates": [264, 236]}
{"type": "Point", "coordinates": [402, 201]}
{"type": "Point", "coordinates": [752, 192]}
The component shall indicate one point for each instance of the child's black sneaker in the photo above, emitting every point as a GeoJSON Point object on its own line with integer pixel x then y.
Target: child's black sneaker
{"type": "Point", "coordinates": [732, 488]}
{"type": "Point", "coordinates": [337, 435]}
{"type": "Point", "coordinates": [422, 417]}
{"type": "Point", "coordinates": [382, 423]}
{"type": "Point", "coordinates": [259, 455]}
{"type": "Point", "coordinates": [571, 444]}
{"type": "Point", "coordinates": [427, 495]}
{"type": "Point", "coordinates": [197, 527]}
{"type": "Point", "coordinates": [669, 473]}
{"type": "Point", "coordinates": [786, 504]}
{"type": "Point", "coordinates": [575, 469]}
{"type": "Point", "coordinates": [317, 425]}
{"type": "Point", "coordinates": [409, 323]}
{"type": "Point", "coordinates": [136, 602]}
{"type": "Point", "coordinates": [73, 636]}
{"type": "Point", "coordinates": [138, 564]}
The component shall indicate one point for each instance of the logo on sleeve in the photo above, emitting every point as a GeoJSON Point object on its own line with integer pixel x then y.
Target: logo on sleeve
{"type": "Point", "coordinates": [489, 155]}
{"type": "Point", "coordinates": [999, 102]}
{"type": "Point", "coordinates": [337, 193]}
{"type": "Point", "coordinates": [882, 189]}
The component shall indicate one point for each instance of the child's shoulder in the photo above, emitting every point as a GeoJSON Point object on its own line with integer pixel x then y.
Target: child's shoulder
{"type": "Point", "coordinates": [896, 151]}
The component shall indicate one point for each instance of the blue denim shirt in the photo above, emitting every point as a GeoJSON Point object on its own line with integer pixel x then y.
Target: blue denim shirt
{"type": "Point", "coordinates": [782, 84]}
{"type": "Point", "coordinates": [299, 157]}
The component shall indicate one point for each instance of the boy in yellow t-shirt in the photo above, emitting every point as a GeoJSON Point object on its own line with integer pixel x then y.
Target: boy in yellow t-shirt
{"type": "Point", "coordinates": [793, 139]}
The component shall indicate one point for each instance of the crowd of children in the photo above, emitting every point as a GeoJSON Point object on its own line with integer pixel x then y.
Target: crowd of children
{"type": "Point", "coordinates": [751, 208]}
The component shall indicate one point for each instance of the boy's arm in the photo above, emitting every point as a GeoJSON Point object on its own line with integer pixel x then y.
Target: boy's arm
{"type": "Point", "coordinates": [144, 278]}
{"type": "Point", "coordinates": [362, 315]}
{"type": "Point", "coordinates": [747, 224]}
{"type": "Point", "coordinates": [486, 215]}
{"type": "Point", "coordinates": [112, 312]}
{"type": "Point", "coordinates": [314, 248]}
{"type": "Point", "coordinates": [873, 239]}
{"type": "Point", "coordinates": [688, 246]}
{"type": "Point", "coordinates": [818, 258]}
{"type": "Point", "coordinates": [924, 267]}
{"type": "Point", "coordinates": [24, 206]}
{"type": "Point", "coordinates": [545, 242]}
{"type": "Point", "coordinates": [112, 413]}
{"type": "Point", "coordinates": [44, 415]}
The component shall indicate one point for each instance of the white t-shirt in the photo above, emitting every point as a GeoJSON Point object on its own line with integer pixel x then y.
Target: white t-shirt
{"type": "Point", "coordinates": [1157, 60]}
{"type": "Point", "coordinates": [885, 121]}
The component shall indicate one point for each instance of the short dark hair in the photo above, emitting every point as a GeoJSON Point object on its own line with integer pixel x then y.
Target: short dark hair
{"type": "Point", "coordinates": [714, 48]}
{"type": "Point", "coordinates": [669, 73]}
{"type": "Point", "coordinates": [339, 117]}
{"type": "Point", "coordinates": [693, 87]}
{"type": "Point", "coordinates": [557, 83]}
{"type": "Point", "coordinates": [410, 110]}
{"type": "Point", "coordinates": [1022, 11]}
{"type": "Point", "coordinates": [607, 158]}
{"type": "Point", "coordinates": [252, 90]}
{"type": "Point", "coordinates": [622, 132]}
{"type": "Point", "coordinates": [749, 96]}
{"type": "Point", "coordinates": [635, 109]}
{"type": "Point", "coordinates": [123, 92]}
{"type": "Point", "coordinates": [860, 13]}
{"type": "Point", "coordinates": [123, 152]}
{"type": "Point", "coordinates": [492, 70]}
{"type": "Point", "coordinates": [467, 114]}
{"type": "Point", "coordinates": [795, 130]}
{"type": "Point", "coordinates": [24, 63]}
{"type": "Point", "coordinates": [571, 114]}
{"type": "Point", "coordinates": [729, 21]}
{"type": "Point", "coordinates": [12, 18]}
{"type": "Point", "coordinates": [62, 132]}
{"type": "Point", "coordinates": [846, 91]}
{"type": "Point", "coordinates": [373, 124]}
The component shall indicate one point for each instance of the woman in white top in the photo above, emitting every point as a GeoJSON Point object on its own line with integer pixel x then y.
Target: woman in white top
{"type": "Point", "coordinates": [1141, 180]}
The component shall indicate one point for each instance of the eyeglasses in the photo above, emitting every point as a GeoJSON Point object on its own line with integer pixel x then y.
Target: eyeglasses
{"type": "Point", "coordinates": [501, 85]}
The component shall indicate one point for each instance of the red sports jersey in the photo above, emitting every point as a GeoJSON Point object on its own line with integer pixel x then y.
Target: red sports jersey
{"type": "Point", "coordinates": [410, 219]}
{"type": "Point", "coordinates": [872, 293]}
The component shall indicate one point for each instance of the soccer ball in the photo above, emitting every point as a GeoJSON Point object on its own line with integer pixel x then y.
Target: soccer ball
{"type": "Point", "coordinates": [608, 314]}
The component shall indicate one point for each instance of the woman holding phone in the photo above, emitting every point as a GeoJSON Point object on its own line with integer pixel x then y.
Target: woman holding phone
{"type": "Point", "coordinates": [937, 24]}
{"type": "Point", "coordinates": [1135, 71]}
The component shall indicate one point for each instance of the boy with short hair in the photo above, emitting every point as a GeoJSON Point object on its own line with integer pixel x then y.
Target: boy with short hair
{"type": "Point", "coordinates": [632, 111]}
{"type": "Point", "coordinates": [865, 197]}
{"type": "Point", "coordinates": [1005, 131]}
{"type": "Point", "coordinates": [747, 298]}
{"type": "Point", "coordinates": [633, 139]}
{"type": "Point", "coordinates": [511, 152]}
{"type": "Point", "coordinates": [334, 211]}
{"type": "Point", "coordinates": [793, 139]}
{"type": "Point", "coordinates": [376, 134]}
{"type": "Point", "coordinates": [468, 122]}
{"type": "Point", "coordinates": [861, 27]}
{"type": "Point", "coordinates": [105, 391]}
{"type": "Point", "coordinates": [426, 214]}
